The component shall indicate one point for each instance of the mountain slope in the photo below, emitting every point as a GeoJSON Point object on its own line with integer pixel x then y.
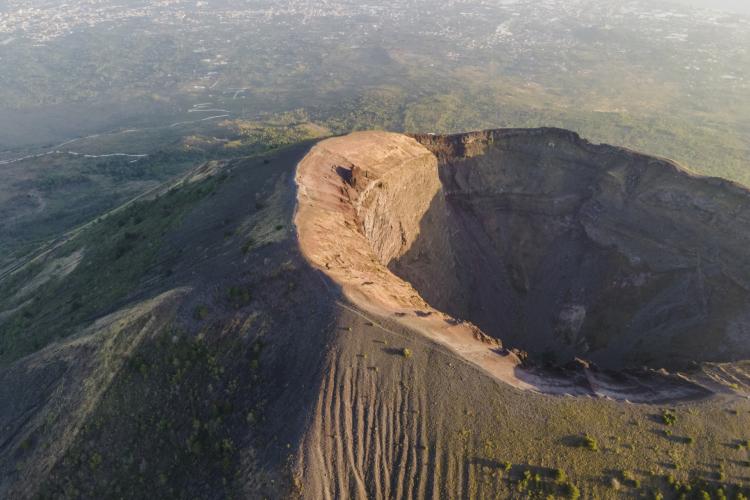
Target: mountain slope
{"type": "Point", "coordinates": [183, 378]}
{"type": "Point", "coordinates": [205, 352]}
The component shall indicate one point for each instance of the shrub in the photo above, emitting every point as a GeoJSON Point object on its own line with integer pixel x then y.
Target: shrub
{"type": "Point", "coordinates": [247, 246]}
{"type": "Point", "coordinates": [95, 461]}
{"type": "Point", "coordinates": [668, 417]}
{"type": "Point", "coordinates": [239, 296]}
{"type": "Point", "coordinates": [571, 491]}
{"type": "Point", "coordinates": [590, 442]}
{"type": "Point", "coordinates": [200, 313]}
{"type": "Point", "coordinates": [406, 352]}
{"type": "Point", "coordinates": [560, 475]}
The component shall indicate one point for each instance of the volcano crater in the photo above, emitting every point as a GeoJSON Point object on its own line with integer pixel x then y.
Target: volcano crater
{"type": "Point", "coordinates": [556, 246]}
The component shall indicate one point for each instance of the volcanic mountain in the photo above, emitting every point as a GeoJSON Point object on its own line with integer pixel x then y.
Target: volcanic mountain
{"type": "Point", "coordinates": [504, 313]}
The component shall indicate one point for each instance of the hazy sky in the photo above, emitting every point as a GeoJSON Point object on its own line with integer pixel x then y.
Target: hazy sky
{"type": "Point", "coordinates": [741, 6]}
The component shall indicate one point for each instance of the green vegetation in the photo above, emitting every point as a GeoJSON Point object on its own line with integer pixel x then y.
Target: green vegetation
{"type": "Point", "coordinates": [668, 417]}
{"type": "Point", "coordinates": [200, 313]}
{"type": "Point", "coordinates": [70, 191]}
{"type": "Point", "coordinates": [284, 128]}
{"type": "Point", "coordinates": [247, 246]}
{"type": "Point", "coordinates": [652, 466]}
{"type": "Point", "coordinates": [118, 252]}
{"type": "Point", "coordinates": [406, 352]}
{"type": "Point", "coordinates": [589, 442]}
{"type": "Point", "coordinates": [472, 107]}
{"type": "Point", "coordinates": [167, 429]}
{"type": "Point", "coordinates": [239, 296]}
{"type": "Point", "coordinates": [560, 476]}
{"type": "Point", "coordinates": [571, 491]}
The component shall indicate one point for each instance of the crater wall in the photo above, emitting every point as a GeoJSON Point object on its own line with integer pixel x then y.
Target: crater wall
{"type": "Point", "coordinates": [555, 245]}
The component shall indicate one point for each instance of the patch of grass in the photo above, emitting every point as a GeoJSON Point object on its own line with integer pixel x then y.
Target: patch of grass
{"type": "Point", "coordinates": [560, 476]}
{"type": "Point", "coordinates": [589, 442]}
{"type": "Point", "coordinates": [247, 246]}
{"type": "Point", "coordinates": [200, 313]}
{"type": "Point", "coordinates": [169, 424]}
{"type": "Point", "coordinates": [239, 296]}
{"type": "Point", "coordinates": [571, 491]}
{"type": "Point", "coordinates": [668, 417]}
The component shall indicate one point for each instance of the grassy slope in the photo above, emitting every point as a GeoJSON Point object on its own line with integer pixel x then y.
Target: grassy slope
{"type": "Point", "coordinates": [197, 404]}
{"type": "Point", "coordinates": [429, 425]}
{"type": "Point", "coordinates": [118, 252]}
{"type": "Point", "coordinates": [43, 197]}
